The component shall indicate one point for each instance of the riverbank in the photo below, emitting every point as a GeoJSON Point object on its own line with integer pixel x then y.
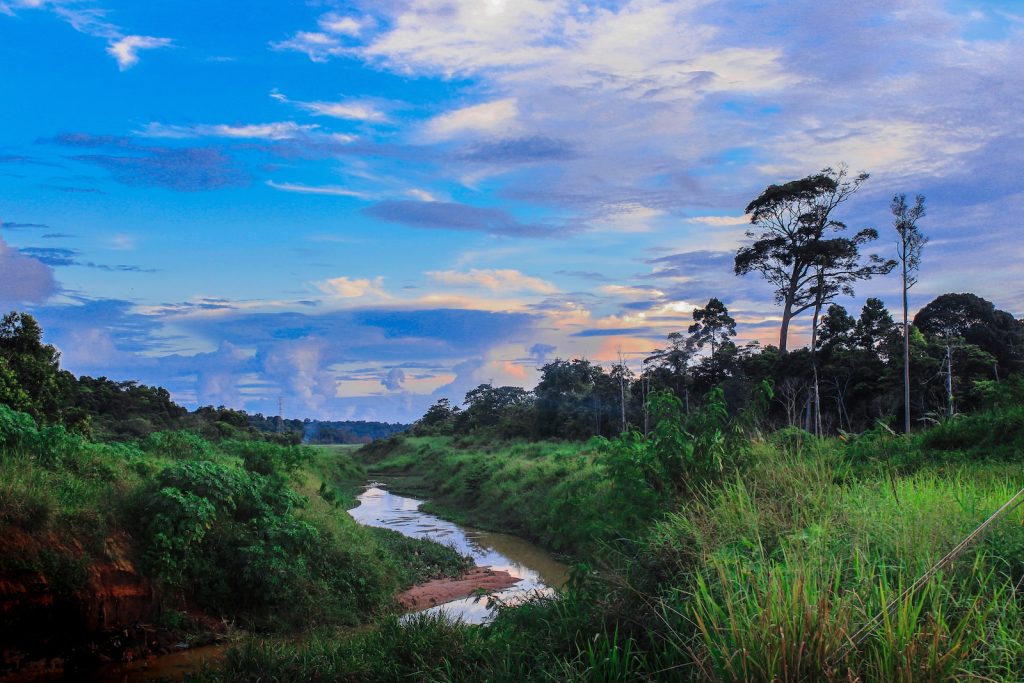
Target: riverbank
{"type": "Point", "coordinates": [550, 493]}
{"type": "Point", "coordinates": [508, 568]}
{"type": "Point", "coordinates": [759, 573]}
{"type": "Point", "coordinates": [118, 552]}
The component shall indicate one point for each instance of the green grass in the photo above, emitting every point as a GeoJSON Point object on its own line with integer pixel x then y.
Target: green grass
{"type": "Point", "coordinates": [759, 574]}
{"type": "Point", "coordinates": [249, 530]}
{"type": "Point", "coordinates": [763, 574]}
{"type": "Point", "coordinates": [549, 492]}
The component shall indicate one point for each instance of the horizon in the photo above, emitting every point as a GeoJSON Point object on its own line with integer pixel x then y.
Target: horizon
{"type": "Point", "coordinates": [360, 208]}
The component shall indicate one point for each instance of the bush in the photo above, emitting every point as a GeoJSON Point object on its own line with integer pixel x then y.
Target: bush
{"type": "Point", "coordinates": [178, 445]}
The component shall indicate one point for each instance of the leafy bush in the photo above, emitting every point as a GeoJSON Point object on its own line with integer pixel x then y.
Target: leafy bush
{"type": "Point", "coordinates": [177, 445]}
{"type": "Point", "coordinates": [997, 434]}
{"type": "Point", "coordinates": [237, 541]}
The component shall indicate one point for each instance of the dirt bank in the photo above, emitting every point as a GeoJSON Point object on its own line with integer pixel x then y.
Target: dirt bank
{"type": "Point", "coordinates": [440, 591]}
{"type": "Point", "coordinates": [65, 609]}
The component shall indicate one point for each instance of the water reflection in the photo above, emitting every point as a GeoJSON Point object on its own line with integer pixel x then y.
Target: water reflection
{"type": "Point", "coordinates": [536, 569]}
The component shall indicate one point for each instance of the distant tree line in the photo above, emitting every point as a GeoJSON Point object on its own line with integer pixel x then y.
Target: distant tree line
{"type": "Point", "coordinates": [856, 370]}
{"type": "Point", "coordinates": [328, 431]}
{"type": "Point", "coordinates": [32, 381]}
{"type": "Point", "coordinates": [959, 345]}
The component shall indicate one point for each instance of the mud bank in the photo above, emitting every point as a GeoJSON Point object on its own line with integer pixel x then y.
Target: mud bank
{"type": "Point", "coordinates": [61, 619]}
{"type": "Point", "coordinates": [440, 591]}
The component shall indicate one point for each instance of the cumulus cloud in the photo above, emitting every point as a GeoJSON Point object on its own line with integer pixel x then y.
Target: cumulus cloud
{"type": "Point", "coordinates": [498, 116]}
{"type": "Point", "coordinates": [495, 280]}
{"type": "Point", "coordinates": [126, 49]}
{"type": "Point", "coordinates": [540, 352]}
{"type": "Point", "coordinates": [353, 288]}
{"type": "Point", "coordinates": [394, 380]}
{"type": "Point", "coordinates": [23, 279]}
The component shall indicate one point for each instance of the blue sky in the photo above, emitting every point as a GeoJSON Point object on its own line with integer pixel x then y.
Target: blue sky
{"type": "Point", "coordinates": [363, 206]}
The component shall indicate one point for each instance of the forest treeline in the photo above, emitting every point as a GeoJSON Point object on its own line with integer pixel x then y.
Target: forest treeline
{"type": "Point", "coordinates": [960, 346]}
{"type": "Point", "coordinates": [32, 382]}
{"type": "Point", "coordinates": [859, 368]}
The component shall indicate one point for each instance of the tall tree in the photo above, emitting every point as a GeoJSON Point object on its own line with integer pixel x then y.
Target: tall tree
{"type": "Point", "coordinates": [712, 325]}
{"type": "Point", "coordinates": [837, 267]}
{"type": "Point", "coordinates": [793, 219]}
{"type": "Point", "coordinates": [875, 325]}
{"type": "Point", "coordinates": [34, 368]}
{"type": "Point", "coordinates": [674, 361]}
{"type": "Point", "coordinates": [837, 327]}
{"type": "Point", "coordinates": [908, 249]}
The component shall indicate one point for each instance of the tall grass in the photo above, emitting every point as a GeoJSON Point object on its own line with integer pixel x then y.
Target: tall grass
{"type": "Point", "coordinates": [765, 575]}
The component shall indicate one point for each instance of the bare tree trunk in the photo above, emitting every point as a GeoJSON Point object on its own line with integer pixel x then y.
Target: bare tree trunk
{"type": "Point", "coordinates": [906, 355]}
{"type": "Point", "coordinates": [814, 367]}
{"type": "Point", "coordinates": [646, 392]}
{"type": "Point", "coordinates": [949, 379]}
{"type": "Point", "coordinates": [787, 315]}
{"type": "Point", "coordinates": [622, 390]}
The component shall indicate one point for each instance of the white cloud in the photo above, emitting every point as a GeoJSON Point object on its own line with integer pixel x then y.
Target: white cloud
{"type": "Point", "coordinates": [281, 130]}
{"type": "Point", "coordinates": [353, 110]}
{"type": "Point", "coordinates": [422, 195]}
{"type": "Point", "coordinates": [495, 280]}
{"type": "Point", "coordinates": [899, 146]}
{"type": "Point", "coordinates": [719, 221]}
{"type": "Point", "coordinates": [125, 50]}
{"type": "Point", "coordinates": [336, 23]}
{"type": "Point", "coordinates": [317, 189]}
{"type": "Point", "coordinates": [314, 44]}
{"type": "Point", "coordinates": [633, 292]}
{"type": "Point", "coordinates": [92, 21]}
{"type": "Point", "coordinates": [23, 279]}
{"type": "Point", "coordinates": [345, 287]}
{"type": "Point", "coordinates": [495, 117]}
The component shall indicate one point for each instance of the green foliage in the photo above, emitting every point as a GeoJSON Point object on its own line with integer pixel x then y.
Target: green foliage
{"type": "Point", "coordinates": [238, 541]}
{"type": "Point", "coordinates": [997, 434]}
{"type": "Point", "coordinates": [177, 445]}
{"type": "Point", "coordinates": [416, 560]}
{"type": "Point", "coordinates": [263, 457]}
{"type": "Point", "coordinates": [555, 493]}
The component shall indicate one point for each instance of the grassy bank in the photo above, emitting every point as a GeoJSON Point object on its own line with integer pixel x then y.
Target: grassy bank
{"type": "Point", "coordinates": [552, 493]}
{"type": "Point", "coordinates": [760, 573]}
{"type": "Point", "coordinates": [244, 530]}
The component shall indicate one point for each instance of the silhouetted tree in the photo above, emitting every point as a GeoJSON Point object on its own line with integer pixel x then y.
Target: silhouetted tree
{"type": "Point", "coordinates": [793, 219]}
{"type": "Point", "coordinates": [712, 325]}
{"type": "Point", "coordinates": [908, 250]}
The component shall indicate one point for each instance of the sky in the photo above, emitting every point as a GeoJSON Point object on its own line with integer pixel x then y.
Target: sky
{"type": "Point", "coordinates": [361, 207]}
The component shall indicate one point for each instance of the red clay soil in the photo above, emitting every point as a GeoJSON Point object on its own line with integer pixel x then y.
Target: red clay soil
{"type": "Point", "coordinates": [50, 625]}
{"type": "Point", "coordinates": [440, 591]}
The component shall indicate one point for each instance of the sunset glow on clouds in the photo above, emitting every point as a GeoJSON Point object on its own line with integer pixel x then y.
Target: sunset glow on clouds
{"type": "Point", "coordinates": [362, 206]}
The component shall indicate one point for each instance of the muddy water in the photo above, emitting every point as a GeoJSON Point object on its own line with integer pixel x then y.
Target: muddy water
{"type": "Point", "coordinates": [174, 666]}
{"type": "Point", "coordinates": [538, 571]}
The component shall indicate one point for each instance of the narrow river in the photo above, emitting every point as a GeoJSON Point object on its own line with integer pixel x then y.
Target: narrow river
{"type": "Point", "coordinates": [538, 571]}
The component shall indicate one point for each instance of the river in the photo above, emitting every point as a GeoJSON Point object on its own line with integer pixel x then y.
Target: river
{"type": "Point", "coordinates": [537, 570]}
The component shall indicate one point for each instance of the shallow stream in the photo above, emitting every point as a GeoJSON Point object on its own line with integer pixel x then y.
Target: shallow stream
{"type": "Point", "coordinates": [538, 571]}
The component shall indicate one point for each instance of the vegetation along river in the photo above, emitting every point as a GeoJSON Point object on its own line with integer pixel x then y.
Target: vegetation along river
{"type": "Point", "coordinates": [536, 569]}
